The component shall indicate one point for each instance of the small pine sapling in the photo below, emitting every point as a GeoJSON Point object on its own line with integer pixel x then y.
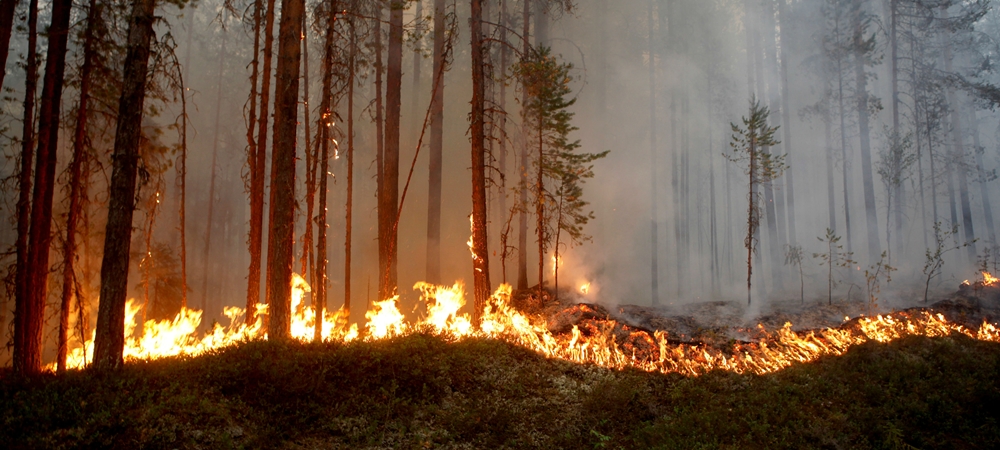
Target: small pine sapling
{"type": "Point", "coordinates": [793, 257]}
{"type": "Point", "coordinates": [833, 257]}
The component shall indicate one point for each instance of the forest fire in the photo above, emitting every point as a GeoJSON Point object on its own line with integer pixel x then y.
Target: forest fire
{"type": "Point", "coordinates": [598, 342]}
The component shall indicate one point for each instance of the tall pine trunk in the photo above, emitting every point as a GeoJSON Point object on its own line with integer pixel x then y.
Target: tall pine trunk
{"type": "Point", "coordinates": [435, 157]}
{"type": "Point", "coordinates": [350, 171]}
{"type": "Point", "coordinates": [785, 23]}
{"type": "Point", "coordinates": [653, 202]}
{"type": "Point", "coordinates": [861, 93]}
{"type": "Point", "coordinates": [79, 179]}
{"type": "Point", "coordinates": [480, 261]}
{"type": "Point", "coordinates": [40, 232]}
{"type": "Point", "coordinates": [280, 239]}
{"type": "Point", "coordinates": [7, 8]}
{"type": "Point", "coordinates": [261, 163]}
{"type": "Point", "coordinates": [110, 334]}
{"type": "Point", "coordinates": [22, 271]}
{"type": "Point", "coordinates": [982, 179]}
{"type": "Point", "coordinates": [522, 217]}
{"type": "Point", "coordinates": [256, 178]}
{"type": "Point", "coordinates": [390, 203]}
{"type": "Point", "coordinates": [323, 125]}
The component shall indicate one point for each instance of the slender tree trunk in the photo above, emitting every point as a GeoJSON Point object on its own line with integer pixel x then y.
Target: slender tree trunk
{"type": "Point", "coordinates": [653, 202]}
{"type": "Point", "coordinates": [110, 334]}
{"type": "Point", "coordinates": [437, 139]}
{"type": "Point", "coordinates": [211, 186]}
{"type": "Point", "coordinates": [79, 172]}
{"type": "Point", "coordinates": [23, 272]}
{"type": "Point", "coordinates": [896, 131]}
{"type": "Point", "coordinates": [383, 209]}
{"type": "Point", "coordinates": [861, 88]}
{"type": "Point", "coordinates": [323, 125]}
{"type": "Point", "coordinates": [785, 23]}
{"type": "Point", "coordinates": [984, 192]}
{"type": "Point", "coordinates": [40, 233]}
{"type": "Point", "coordinates": [307, 262]}
{"type": "Point", "coordinates": [502, 156]}
{"type": "Point", "coordinates": [522, 217]}
{"type": "Point", "coordinates": [418, 48]}
{"type": "Point", "coordinates": [843, 142]}
{"type": "Point", "coordinates": [350, 171]}
{"type": "Point", "coordinates": [261, 163]}
{"type": "Point", "coordinates": [958, 154]}
{"type": "Point", "coordinates": [7, 8]}
{"type": "Point", "coordinates": [256, 178]}
{"type": "Point", "coordinates": [394, 79]}
{"type": "Point", "coordinates": [770, 213]}
{"type": "Point", "coordinates": [480, 261]}
{"type": "Point", "coordinates": [280, 239]}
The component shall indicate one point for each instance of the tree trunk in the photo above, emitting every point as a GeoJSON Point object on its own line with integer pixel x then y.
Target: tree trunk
{"type": "Point", "coordinates": [254, 151]}
{"type": "Point", "coordinates": [502, 156]}
{"type": "Point", "coordinates": [522, 217]}
{"type": "Point", "coordinates": [653, 202]}
{"type": "Point", "coordinates": [984, 192]}
{"type": "Point", "coordinates": [22, 270]}
{"type": "Point", "coordinates": [110, 334]}
{"type": "Point", "coordinates": [40, 233]}
{"type": "Point", "coordinates": [280, 239]}
{"type": "Point", "coordinates": [394, 79]}
{"type": "Point", "coordinates": [323, 125]}
{"type": "Point", "coordinates": [896, 131]}
{"type": "Point", "coordinates": [350, 171]}
{"type": "Point", "coordinates": [211, 186]}
{"type": "Point", "coordinates": [417, 57]}
{"type": "Point", "coordinates": [383, 209]}
{"type": "Point", "coordinates": [480, 261]}
{"type": "Point", "coordinates": [437, 139]}
{"type": "Point", "coordinates": [861, 88]}
{"type": "Point", "coordinates": [786, 119]}
{"type": "Point", "coordinates": [261, 163]}
{"type": "Point", "coordinates": [958, 154]}
{"type": "Point", "coordinates": [79, 179]}
{"type": "Point", "coordinates": [307, 262]}
{"type": "Point", "coordinates": [843, 142]}
{"type": "Point", "coordinates": [7, 8]}
{"type": "Point", "coordinates": [773, 198]}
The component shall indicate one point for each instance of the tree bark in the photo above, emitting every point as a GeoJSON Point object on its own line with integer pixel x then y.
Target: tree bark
{"type": "Point", "coordinates": [653, 202]}
{"type": "Point", "coordinates": [261, 163]}
{"type": "Point", "coordinates": [280, 239]}
{"type": "Point", "coordinates": [436, 154]}
{"type": "Point", "coordinates": [40, 233]}
{"type": "Point", "coordinates": [522, 216]}
{"type": "Point", "coordinates": [393, 91]}
{"type": "Point", "coordinates": [307, 262]}
{"type": "Point", "coordinates": [323, 125]}
{"type": "Point", "coordinates": [383, 209]}
{"type": "Point", "coordinates": [350, 172]}
{"type": "Point", "coordinates": [861, 88]}
{"type": "Point", "coordinates": [110, 334]}
{"type": "Point", "coordinates": [256, 179]}
{"type": "Point", "coordinates": [79, 179]}
{"type": "Point", "coordinates": [480, 261]}
{"type": "Point", "coordinates": [22, 270]}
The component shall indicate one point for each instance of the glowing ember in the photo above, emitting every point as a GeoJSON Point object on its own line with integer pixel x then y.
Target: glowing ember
{"type": "Point", "coordinates": [587, 344]}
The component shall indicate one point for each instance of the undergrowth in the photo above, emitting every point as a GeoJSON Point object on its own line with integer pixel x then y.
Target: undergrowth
{"type": "Point", "coordinates": [421, 391]}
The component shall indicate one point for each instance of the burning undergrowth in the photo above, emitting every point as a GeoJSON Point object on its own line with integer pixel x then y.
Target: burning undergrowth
{"type": "Point", "coordinates": [703, 338]}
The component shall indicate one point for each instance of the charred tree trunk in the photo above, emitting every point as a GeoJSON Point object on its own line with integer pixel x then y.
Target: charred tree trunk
{"type": "Point", "coordinates": [350, 172]}
{"type": "Point", "coordinates": [394, 81]}
{"type": "Point", "coordinates": [40, 233]}
{"type": "Point", "coordinates": [861, 92]}
{"type": "Point", "coordinates": [480, 261]}
{"type": "Point", "coordinates": [653, 202]}
{"type": "Point", "coordinates": [522, 217]}
{"type": "Point", "coordinates": [22, 271]}
{"type": "Point", "coordinates": [256, 178]}
{"type": "Point", "coordinates": [110, 334]}
{"type": "Point", "coordinates": [280, 239]}
{"type": "Point", "coordinates": [261, 163]}
{"type": "Point", "coordinates": [79, 175]}
{"type": "Point", "coordinates": [437, 139]}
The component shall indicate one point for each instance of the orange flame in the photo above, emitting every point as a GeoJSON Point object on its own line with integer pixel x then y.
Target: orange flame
{"type": "Point", "coordinates": [594, 344]}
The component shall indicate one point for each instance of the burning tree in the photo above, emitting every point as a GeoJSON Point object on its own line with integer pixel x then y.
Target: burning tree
{"type": "Point", "coordinates": [545, 82]}
{"type": "Point", "coordinates": [749, 146]}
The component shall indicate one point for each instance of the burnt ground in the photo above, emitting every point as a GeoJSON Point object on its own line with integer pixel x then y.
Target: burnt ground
{"type": "Point", "coordinates": [719, 323]}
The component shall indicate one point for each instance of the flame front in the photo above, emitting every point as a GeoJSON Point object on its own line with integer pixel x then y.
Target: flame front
{"type": "Point", "coordinates": [989, 280]}
{"type": "Point", "coordinates": [594, 344]}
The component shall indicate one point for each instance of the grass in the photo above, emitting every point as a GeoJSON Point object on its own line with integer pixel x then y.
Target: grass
{"type": "Point", "coordinates": [420, 391]}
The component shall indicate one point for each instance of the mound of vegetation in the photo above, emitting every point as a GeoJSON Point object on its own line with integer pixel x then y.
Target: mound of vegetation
{"type": "Point", "coordinates": [421, 391]}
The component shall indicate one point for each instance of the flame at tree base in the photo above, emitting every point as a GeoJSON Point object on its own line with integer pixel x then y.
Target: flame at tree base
{"type": "Point", "coordinates": [598, 345]}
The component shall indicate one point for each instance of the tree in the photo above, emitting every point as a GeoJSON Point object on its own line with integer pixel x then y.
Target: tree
{"type": "Point", "coordinates": [435, 149]}
{"type": "Point", "coordinates": [280, 239]}
{"type": "Point", "coordinates": [833, 257]}
{"type": "Point", "coordinates": [40, 231]}
{"type": "Point", "coordinates": [748, 146]}
{"type": "Point", "coordinates": [480, 251]}
{"type": "Point", "coordinates": [893, 167]}
{"type": "Point", "coordinates": [863, 45]}
{"type": "Point", "coordinates": [110, 334]}
{"type": "Point", "coordinates": [934, 258]}
{"type": "Point", "coordinates": [793, 257]}
{"type": "Point", "coordinates": [389, 194]}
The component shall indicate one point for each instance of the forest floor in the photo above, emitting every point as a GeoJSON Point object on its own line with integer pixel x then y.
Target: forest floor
{"type": "Point", "coordinates": [422, 391]}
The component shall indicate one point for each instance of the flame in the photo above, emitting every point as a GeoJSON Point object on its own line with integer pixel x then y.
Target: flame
{"type": "Point", "coordinates": [989, 280]}
{"type": "Point", "coordinates": [556, 262]}
{"type": "Point", "coordinates": [585, 288]}
{"type": "Point", "coordinates": [599, 342]}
